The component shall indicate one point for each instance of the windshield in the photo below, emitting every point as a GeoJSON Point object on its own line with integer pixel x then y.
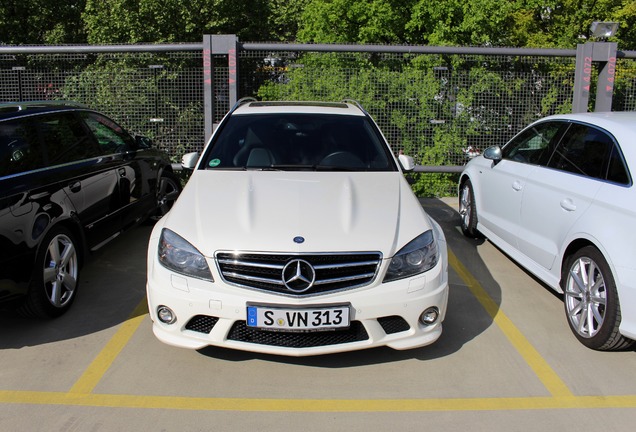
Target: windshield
{"type": "Point", "coordinates": [299, 142]}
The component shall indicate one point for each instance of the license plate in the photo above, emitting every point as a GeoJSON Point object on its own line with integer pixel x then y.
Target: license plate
{"type": "Point", "coordinates": [269, 317]}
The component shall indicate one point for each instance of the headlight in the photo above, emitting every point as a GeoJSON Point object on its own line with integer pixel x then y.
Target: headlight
{"type": "Point", "coordinates": [180, 256]}
{"type": "Point", "coordinates": [416, 257]}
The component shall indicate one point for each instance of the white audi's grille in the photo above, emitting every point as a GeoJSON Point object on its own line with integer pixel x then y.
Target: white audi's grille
{"type": "Point", "coordinates": [299, 275]}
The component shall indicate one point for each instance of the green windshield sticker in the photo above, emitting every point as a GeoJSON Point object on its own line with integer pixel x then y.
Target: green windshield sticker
{"type": "Point", "coordinates": [214, 163]}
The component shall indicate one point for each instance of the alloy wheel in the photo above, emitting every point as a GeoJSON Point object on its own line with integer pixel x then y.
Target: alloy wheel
{"type": "Point", "coordinates": [61, 270]}
{"type": "Point", "coordinates": [585, 297]}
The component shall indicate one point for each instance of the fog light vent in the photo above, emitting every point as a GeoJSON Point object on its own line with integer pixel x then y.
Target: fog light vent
{"type": "Point", "coordinates": [393, 324]}
{"type": "Point", "coordinates": [429, 316]}
{"type": "Point", "coordinates": [201, 323]}
{"type": "Point", "coordinates": [166, 315]}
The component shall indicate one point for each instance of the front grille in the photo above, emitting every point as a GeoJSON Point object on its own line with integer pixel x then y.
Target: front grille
{"type": "Point", "coordinates": [201, 323]}
{"type": "Point", "coordinates": [393, 324]}
{"type": "Point", "coordinates": [242, 333]}
{"type": "Point", "coordinates": [333, 272]}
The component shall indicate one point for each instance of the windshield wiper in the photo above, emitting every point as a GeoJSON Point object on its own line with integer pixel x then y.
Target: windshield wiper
{"type": "Point", "coordinates": [336, 168]}
{"type": "Point", "coordinates": [293, 167]}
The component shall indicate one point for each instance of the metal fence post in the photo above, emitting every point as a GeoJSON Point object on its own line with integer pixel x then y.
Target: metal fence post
{"type": "Point", "coordinates": [605, 53]}
{"type": "Point", "coordinates": [18, 70]}
{"type": "Point", "coordinates": [586, 54]}
{"type": "Point", "coordinates": [218, 45]}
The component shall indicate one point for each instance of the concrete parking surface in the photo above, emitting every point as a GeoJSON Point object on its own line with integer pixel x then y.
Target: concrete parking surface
{"type": "Point", "coordinates": [505, 362]}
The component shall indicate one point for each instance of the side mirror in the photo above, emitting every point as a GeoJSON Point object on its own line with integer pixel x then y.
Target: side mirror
{"type": "Point", "coordinates": [189, 160]}
{"type": "Point", "coordinates": [143, 142]}
{"type": "Point", "coordinates": [493, 153]}
{"type": "Point", "coordinates": [407, 162]}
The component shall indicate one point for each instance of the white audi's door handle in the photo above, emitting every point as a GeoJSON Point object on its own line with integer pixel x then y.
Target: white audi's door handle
{"type": "Point", "coordinates": [516, 185]}
{"type": "Point", "coordinates": [568, 205]}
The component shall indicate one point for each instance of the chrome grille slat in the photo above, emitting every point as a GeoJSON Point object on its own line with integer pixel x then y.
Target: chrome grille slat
{"type": "Point", "coordinates": [264, 271]}
{"type": "Point", "coordinates": [357, 264]}
{"type": "Point", "coordinates": [251, 264]}
{"type": "Point", "coordinates": [253, 279]}
{"type": "Point", "coordinates": [344, 279]}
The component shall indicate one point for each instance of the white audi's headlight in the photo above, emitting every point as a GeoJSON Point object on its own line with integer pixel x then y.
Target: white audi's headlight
{"type": "Point", "coordinates": [178, 255]}
{"type": "Point", "coordinates": [418, 256]}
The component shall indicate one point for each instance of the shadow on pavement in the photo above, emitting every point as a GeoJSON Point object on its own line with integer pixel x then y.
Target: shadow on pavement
{"type": "Point", "coordinates": [112, 284]}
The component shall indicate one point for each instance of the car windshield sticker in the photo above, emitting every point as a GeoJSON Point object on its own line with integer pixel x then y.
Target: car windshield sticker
{"type": "Point", "coordinates": [214, 163]}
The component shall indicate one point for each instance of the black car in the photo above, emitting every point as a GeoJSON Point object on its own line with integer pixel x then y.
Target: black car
{"type": "Point", "coordinates": [71, 180]}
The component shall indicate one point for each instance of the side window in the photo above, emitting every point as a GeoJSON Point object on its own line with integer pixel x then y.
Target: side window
{"type": "Point", "coordinates": [532, 146]}
{"type": "Point", "coordinates": [19, 148]}
{"type": "Point", "coordinates": [617, 171]}
{"type": "Point", "coordinates": [65, 138]}
{"type": "Point", "coordinates": [110, 136]}
{"type": "Point", "coordinates": [583, 150]}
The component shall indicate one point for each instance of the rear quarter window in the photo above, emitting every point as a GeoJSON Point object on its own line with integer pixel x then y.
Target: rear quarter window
{"type": "Point", "coordinates": [20, 149]}
{"type": "Point", "coordinates": [591, 152]}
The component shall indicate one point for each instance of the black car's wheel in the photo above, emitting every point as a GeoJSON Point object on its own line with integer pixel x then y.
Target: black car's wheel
{"type": "Point", "coordinates": [467, 210]}
{"type": "Point", "coordinates": [168, 191]}
{"type": "Point", "coordinates": [56, 274]}
{"type": "Point", "coordinates": [591, 301]}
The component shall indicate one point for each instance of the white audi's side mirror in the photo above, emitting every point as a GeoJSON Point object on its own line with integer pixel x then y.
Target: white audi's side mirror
{"type": "Point", "coordinates": [407, 162]}
{"type": "Point", "coordinates": [189, 160]}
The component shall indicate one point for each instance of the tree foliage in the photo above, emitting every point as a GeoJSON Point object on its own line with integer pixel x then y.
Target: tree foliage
{"type": "Point", "coordinates": [512, 23]}
{"type": "Point", "coordinates": [515, 23]}
{"type": "Point", "coordinates": [41, 21]}
{"type": "Point", "coordinates": [138, 21]}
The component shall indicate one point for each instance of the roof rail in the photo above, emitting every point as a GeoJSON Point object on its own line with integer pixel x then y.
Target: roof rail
{"type": "Point", "coordinates": [243, 101]}
{"type": "Point", "coordinates": [356, 103]}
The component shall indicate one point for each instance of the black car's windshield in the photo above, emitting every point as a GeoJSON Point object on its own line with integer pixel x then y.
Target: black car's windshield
{"type": "Point", "coordinates": [297, 142]}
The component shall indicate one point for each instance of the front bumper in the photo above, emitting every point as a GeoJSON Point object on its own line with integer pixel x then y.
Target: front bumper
{"type": "Point", "coordinates": [214, 313]}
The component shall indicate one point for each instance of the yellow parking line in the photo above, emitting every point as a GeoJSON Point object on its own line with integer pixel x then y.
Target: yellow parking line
{"type": "Point", "coordinates": [541, 368]}
{"type": "Point", "coordinates": [96, 370]}
{"type": "Point", "coordinates": [316, 405]}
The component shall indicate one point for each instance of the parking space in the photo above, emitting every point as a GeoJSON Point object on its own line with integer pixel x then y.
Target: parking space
{"type": "Point", "coordinates": [506, 361]}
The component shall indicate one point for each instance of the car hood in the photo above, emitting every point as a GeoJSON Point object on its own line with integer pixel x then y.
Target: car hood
{"type": "Point", "coordinates": [270, 210]}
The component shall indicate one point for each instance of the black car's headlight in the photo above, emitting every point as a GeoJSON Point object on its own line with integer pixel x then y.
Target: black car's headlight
{"type": "Point", "coordinates": [416, 257]}
{"type": "Point", "coordinates": [178, 255]}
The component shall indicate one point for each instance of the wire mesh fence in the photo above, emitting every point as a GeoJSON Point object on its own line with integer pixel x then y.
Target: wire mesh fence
{"type": "Point", "coordinates": [442, 109]}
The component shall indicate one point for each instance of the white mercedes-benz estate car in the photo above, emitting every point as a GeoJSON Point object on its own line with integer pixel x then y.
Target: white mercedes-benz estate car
{"type": "Point", "coordinates": [297, 234]}
{"type": "Point", "coordinates": [559, 199]}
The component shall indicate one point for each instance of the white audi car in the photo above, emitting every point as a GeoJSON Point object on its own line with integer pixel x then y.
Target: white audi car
{"type": "Point", "coordinates": [559, 199]}
{"type": "Point", "coordinates": [297, 234]}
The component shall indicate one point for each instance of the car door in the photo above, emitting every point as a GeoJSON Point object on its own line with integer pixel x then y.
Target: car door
{"type": "Point", "coordinates": [21, 165]}
{"type": "Point", "coordinates": [90, 180]}
{"type": "Point", "coordinates": [558, 194]}
{"type": "Point", "coordinates": [502, 184]}
{"type": "Point", "coordinates": [134, 196]}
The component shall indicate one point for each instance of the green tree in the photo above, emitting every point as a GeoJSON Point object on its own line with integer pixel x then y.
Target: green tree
{"type": "Point", "coordinates": [355, 21]}
{"type": "Point", "coordinates": [284, 21]}
{"type": "Point", "coordinates": [37, 22]}
{"type": "Point", "coordinates": [511, 23]}
{"type": "Point", "coordinates": [138, 21]}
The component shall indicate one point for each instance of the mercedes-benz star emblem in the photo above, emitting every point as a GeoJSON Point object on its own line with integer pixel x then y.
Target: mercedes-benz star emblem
{"type": "Point", "coordinates": [299, 275]}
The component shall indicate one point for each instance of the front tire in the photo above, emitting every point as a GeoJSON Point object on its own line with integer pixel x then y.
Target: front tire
{"type": "Point", "coordinates": [55, 276]}
{"type": "Point", "coordinates": [591, 301]}
{"type": "Point", "coordinates": [468, 210]}
{"type": "Point", "coordinates": [168, 191]}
